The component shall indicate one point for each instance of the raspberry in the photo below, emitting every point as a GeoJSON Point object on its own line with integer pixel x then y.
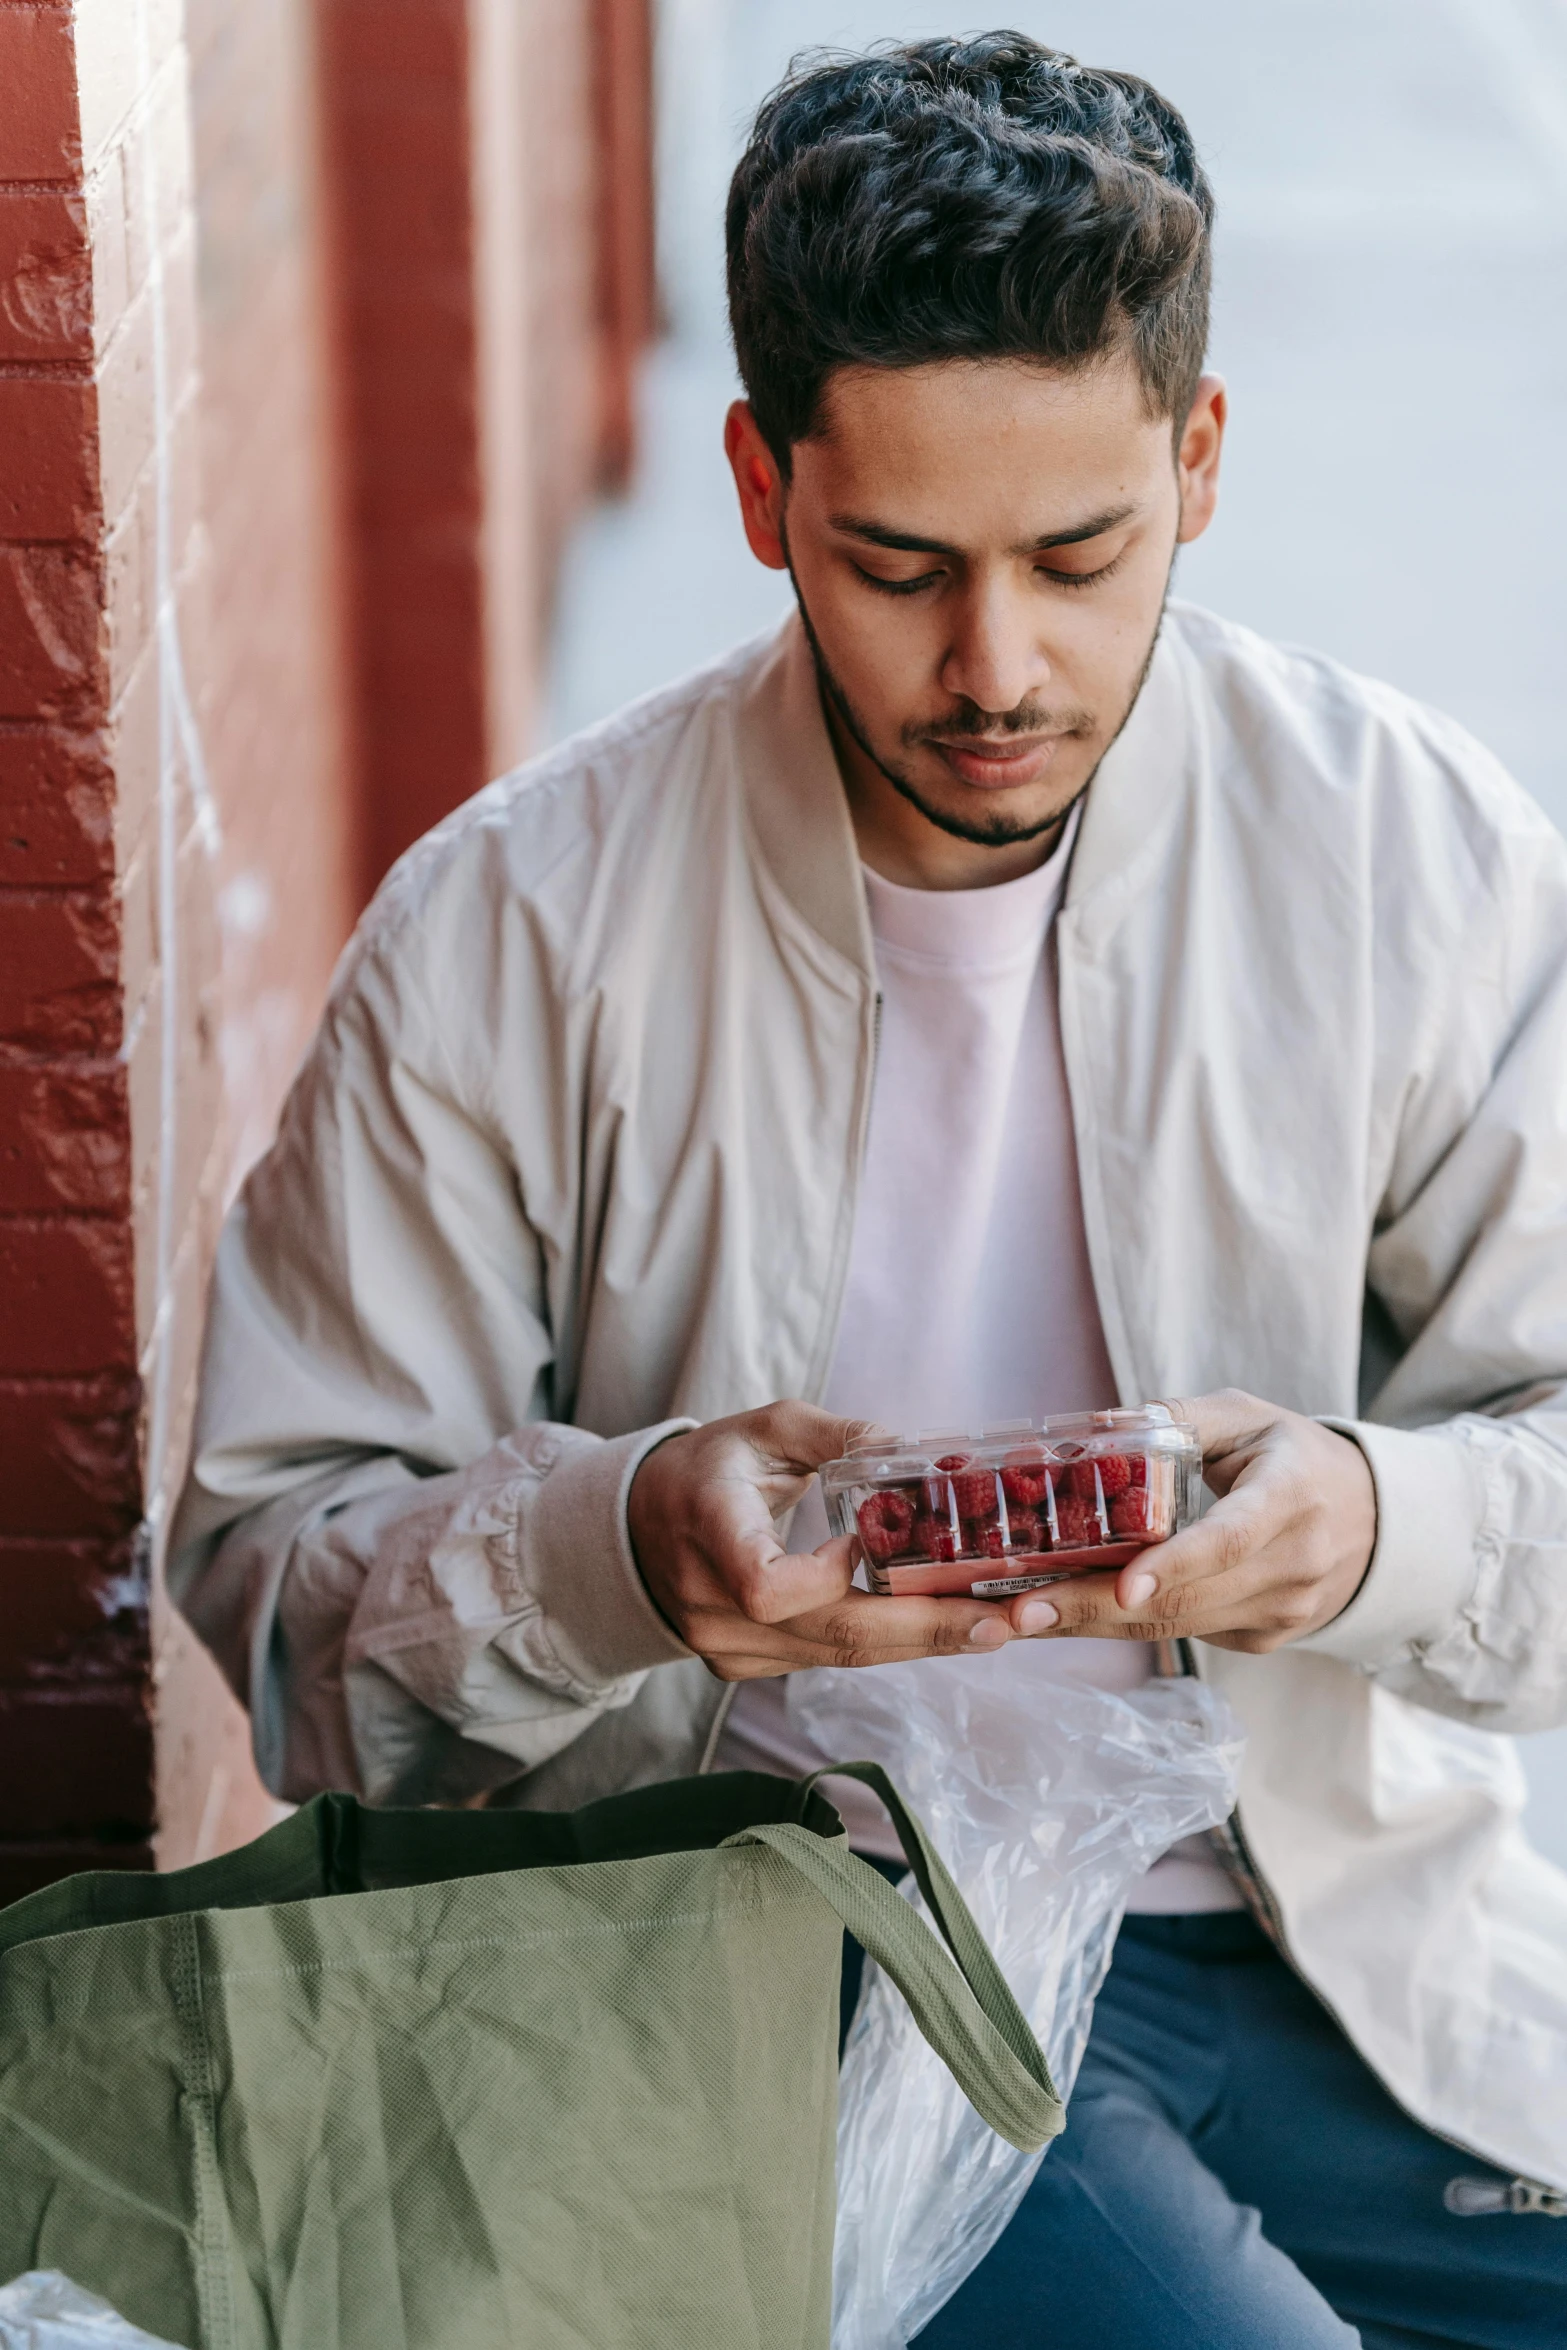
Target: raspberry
{"type": "Point", "coordinates": [1075, 1475]}
{"type": "Point", "coordinates": [1077, 1522]}
{"type": "Point", "coordinates": [935, 1539]}
{"type": "Point", "coordinates": [885, 1520]}
{"type": "Point", "coordinates": [1115, 1473]}
{"type": "Point", "coordinates": [981, 1541]}
{"type": "Point", "coordinates": [1027, 1530]}
{"type": "Point", "coordinates": [973, 1489]}
{"type": "Point", "coordinates": [1117, 1470]}
{"type": "Point", "coordinates": [1129, 1514]}
{"type": "Point", "coordinates": [1025, 1482]}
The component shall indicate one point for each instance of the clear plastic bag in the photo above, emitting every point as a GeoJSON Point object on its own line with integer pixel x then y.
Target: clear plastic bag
{"type": "Point", "coordinates": [1047, 1800]}
{"type": "Point", "coordinates": [43, 2310]}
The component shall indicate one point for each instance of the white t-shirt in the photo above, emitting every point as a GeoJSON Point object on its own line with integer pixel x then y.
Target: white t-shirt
{"type": "Point", "coordinates": [969, 1298]}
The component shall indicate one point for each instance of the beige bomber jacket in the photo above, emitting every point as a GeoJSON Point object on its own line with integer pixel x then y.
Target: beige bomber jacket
{"type": "Point", "coordinates": [574, 1156]}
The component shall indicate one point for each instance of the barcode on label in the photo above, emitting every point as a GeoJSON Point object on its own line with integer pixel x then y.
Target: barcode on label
{"type": "Point", "coordinates": [1003, 1586]}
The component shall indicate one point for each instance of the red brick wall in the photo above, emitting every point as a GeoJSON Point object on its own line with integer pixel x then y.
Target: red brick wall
{"type": "Point", "coordinates": [78, 761]}
{"type": "Point", "coordinates": [317, 324]}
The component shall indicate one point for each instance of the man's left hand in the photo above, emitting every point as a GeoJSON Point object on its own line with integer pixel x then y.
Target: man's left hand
{"type": "Point", "coordinates": [1281, 1552]}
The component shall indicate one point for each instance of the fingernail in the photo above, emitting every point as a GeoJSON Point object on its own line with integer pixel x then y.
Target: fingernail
{"type": "Point", "coordinates": [989, 1632]}
{"type": "Point", "coordinates": [1037, 1615]}
{"type": "Point", "coordinates": [1140, 1590]}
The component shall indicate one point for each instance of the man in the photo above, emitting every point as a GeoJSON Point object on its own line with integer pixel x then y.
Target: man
{"type": "Point", "coordinates": [995, 993]}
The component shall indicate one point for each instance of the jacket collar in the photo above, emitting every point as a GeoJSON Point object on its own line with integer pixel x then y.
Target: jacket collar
{"type": "Point", "coordinates": [795, 798]}
{"type": "Point", "coordinates": [1136, 796]}
{"type": "Point", "coordinates": [799, 813]}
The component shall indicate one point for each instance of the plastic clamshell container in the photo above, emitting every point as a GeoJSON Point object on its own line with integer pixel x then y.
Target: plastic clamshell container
{"type": "Point", "coordinates": [1007, 1509]}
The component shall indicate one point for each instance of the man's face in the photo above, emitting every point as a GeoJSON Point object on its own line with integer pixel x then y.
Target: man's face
{"type": "Point", "coordinates": [981, 551]}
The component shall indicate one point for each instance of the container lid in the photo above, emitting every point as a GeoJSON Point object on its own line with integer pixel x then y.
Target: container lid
{"type": "Point", "coordinates": [909, 1452]}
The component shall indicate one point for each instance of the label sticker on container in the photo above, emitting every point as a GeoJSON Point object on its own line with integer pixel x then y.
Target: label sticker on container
{"type": "Point", "coordinates": [1003, 1586]}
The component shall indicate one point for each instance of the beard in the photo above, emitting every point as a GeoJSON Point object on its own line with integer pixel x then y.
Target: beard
{"type": "Point", "coordinates": [986, 832]}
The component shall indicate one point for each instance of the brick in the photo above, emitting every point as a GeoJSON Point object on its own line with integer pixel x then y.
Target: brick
{"type": "Point", "coordinates": [109, 251]}
{"type": "Point", "coordinates": [48, 460]}
{"type": "Point", "coordinates": [134, 736]}
{"type": "Point", "coordinates": [45, 276]}
{"type": "Point", "coordinates": [76, 1763]}
{"type": "Point", "coordinates": [139, 977]}
{"type": "Point", "coordinates": [130, 553]}
{"type": "Point", "coordinates": [51, 626]}
{"type": "Point", "coordinates": [39, 134]}
{"type": "Point", "coordinates": [64, 1137]}
{"type": "Point", "coordinates": [60, 971]}
{"type": "Point", "coordinates": [127, 427]}
{"type": "Point", "coordinates": [156, 159]}
{"type": "Point", "coordinates": [69, 1456]}
{"type": "Point", "coordinates": [127, 405]}
{"type": "Point", "coordinates": [193, 590]}
{"type": "Point", "coordinates": [142, 1058]}
{"type": "Point", "coordinates": [67, 1296]}
{"type": "Point", "coordinates": [72, 1611]}
{"type": "Point", "coordinates": [198, 1147]}
{"type": "Point", "coordinates": [28, 1866]}
{"type": "Point", "coordinates": [179, 311]}
{"type": "Point", "coordinates": [130, 582]}
{"type": "Point", "coordinates": [56, 807]}
{"type": "Point", "coordinates": [108, 69]}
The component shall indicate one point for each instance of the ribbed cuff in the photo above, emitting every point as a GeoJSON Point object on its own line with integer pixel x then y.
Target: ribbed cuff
{"type": "Point", "coordinates": [1423, 1567]}
{"type": "Point", "coordinates": [602, 1622]}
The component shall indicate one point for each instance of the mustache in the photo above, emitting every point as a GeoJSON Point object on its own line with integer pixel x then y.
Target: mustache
{"type": "Point", "coordinates": [971, 724]}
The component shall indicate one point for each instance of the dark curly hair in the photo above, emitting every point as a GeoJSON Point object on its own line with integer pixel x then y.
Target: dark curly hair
{"type": "Point", "coordinates": [964, 199]}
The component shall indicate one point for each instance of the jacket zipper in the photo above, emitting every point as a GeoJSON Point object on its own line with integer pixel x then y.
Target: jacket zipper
{"type": "Point", "coordinates": [1175, 1660]}
{"type": "Point", "coordinates": [862, 1139]}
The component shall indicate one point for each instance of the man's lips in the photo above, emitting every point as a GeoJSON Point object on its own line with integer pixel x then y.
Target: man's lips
{"type": "Point", "coordinates": [997, 766]}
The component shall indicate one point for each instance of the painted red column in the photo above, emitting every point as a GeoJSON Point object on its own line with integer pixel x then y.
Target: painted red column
{"type": "Point", "coordinates": [397, 170]}
{"type": "Point", "coordinates": [623, 79]}
{"type": "Point", "coordinates": [488, 165]}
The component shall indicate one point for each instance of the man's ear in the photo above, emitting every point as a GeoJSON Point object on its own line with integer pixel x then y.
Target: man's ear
{"type": "Point", "coordinates": [1197, 458]}
{"type": "Point", "coordinates": [759, 484]}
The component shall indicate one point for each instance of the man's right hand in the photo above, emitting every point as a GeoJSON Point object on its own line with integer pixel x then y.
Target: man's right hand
{"type": "Point", "coordinates": [701, 1512]}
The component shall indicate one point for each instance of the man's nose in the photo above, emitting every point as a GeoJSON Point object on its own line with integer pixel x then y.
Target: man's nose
{"type": "Point", "coordinates": [994, 658]}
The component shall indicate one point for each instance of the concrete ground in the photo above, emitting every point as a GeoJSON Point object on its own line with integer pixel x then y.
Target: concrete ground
{"type": "Point", "coordinates": [1391, 314]}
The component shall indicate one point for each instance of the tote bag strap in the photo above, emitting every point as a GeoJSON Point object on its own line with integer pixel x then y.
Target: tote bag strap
{"type": "Point", "coordinates": [957, 1994]}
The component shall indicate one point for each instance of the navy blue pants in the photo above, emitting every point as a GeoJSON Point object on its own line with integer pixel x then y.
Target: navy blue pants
{"type": "Point", "coordinates": [1232, 2177]}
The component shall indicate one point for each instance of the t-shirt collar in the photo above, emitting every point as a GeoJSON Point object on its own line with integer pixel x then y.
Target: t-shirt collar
{"type": "Point", "coordinates": [972, 926]}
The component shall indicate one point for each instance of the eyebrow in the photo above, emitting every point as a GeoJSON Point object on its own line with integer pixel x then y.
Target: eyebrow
{"type": "Point", "coordinates": [905, 542]}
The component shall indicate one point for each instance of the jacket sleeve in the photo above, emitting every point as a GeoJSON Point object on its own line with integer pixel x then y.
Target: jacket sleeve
{"type": "Point", "coordinates": [1464, 1609]}
{"type": "Point", "coordinates": [418, 1582]}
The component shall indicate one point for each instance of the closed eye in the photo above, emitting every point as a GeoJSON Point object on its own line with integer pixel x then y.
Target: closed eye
{"type": "Point", "coordinates": [1082, 579]}
{"type": "Point", "coordinates": [898, 587]}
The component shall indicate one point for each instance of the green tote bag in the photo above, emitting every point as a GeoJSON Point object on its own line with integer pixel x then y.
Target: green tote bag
{"type": "Point", "coordinates": [495, 2080]}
